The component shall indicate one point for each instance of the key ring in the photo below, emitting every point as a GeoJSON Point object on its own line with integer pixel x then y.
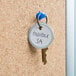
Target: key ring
{"type": "Point", "coordinates": [39, 16]}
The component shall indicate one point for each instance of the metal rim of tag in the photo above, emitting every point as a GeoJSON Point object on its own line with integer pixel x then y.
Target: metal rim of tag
{"type": "Point", "coordinates": [50, 40]}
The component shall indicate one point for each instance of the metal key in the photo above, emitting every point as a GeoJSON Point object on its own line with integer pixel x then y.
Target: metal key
{"type": "Point", "coordinates": [44, 55]}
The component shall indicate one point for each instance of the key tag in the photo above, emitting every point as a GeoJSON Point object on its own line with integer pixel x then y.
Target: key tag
{"type": "Point", "coordinates": [41, 35]}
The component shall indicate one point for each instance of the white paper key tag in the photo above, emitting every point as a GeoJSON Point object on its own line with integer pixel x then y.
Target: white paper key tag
{"type": "Point", "coordinates": [41, 38]}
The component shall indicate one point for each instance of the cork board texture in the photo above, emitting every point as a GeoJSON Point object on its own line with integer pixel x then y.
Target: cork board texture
{"type": "Point", "coordinates": [17, 56]}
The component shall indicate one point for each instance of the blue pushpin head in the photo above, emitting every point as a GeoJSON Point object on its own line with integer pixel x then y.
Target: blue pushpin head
{"type": "Point", "coordinates": [40, 15]}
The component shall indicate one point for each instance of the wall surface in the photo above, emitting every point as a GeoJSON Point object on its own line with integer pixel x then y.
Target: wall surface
{"type": "Point", "coordinates": [17, 56]}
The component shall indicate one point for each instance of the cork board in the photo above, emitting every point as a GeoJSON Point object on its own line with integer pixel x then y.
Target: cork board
{"type": "Point", "coordinates": [17, 56]}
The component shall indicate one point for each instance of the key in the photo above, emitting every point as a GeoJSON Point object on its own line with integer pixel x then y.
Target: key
{"type": "Point", "coordinates": [44, 55]}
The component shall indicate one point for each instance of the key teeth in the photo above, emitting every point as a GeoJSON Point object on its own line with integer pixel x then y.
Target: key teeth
{"type": "Point", "coordinates": [44, 55]}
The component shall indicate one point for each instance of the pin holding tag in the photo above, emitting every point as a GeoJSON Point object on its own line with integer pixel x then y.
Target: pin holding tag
{"type": "Point", "coordinates": [41, 35]}
{"type": "Point", "coordinates": [40, 16]}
